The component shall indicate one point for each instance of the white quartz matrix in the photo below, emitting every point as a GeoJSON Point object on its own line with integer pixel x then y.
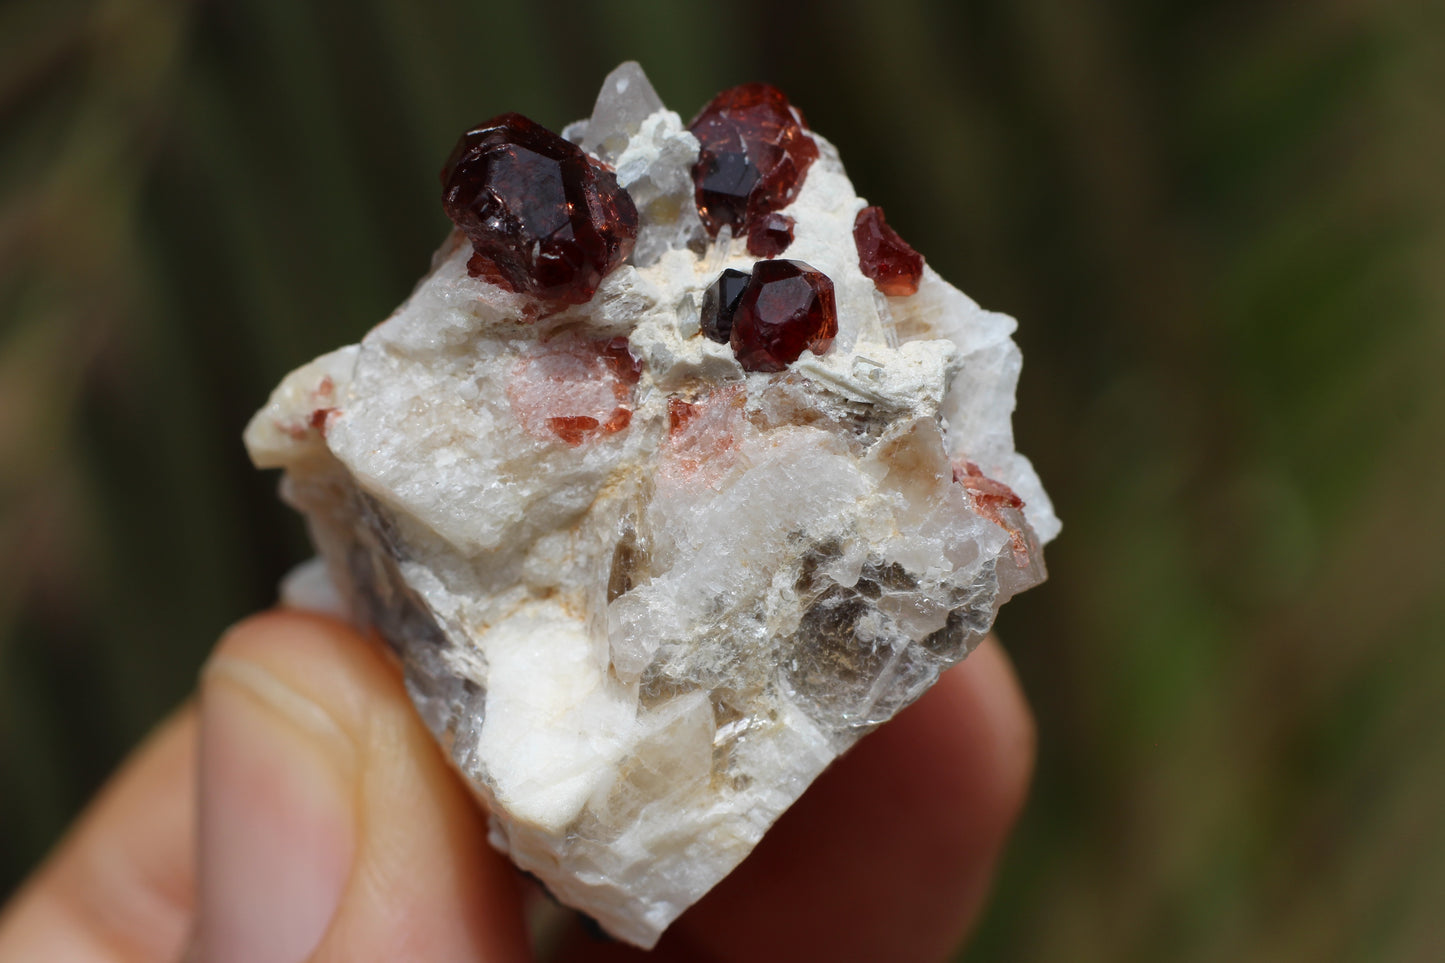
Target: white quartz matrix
{"type": "Point", "coordinates": [640, 648]}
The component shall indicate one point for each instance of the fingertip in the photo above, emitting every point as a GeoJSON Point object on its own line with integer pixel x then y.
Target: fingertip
{"type": "Point", "coordinates": [321, 656]}
{"type": "Point", "coordinates": [281, 757]}
{"type": "Point", "coordinates": [977, 713]}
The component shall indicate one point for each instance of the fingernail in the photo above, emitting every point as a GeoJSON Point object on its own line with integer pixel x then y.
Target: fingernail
{"type": "Point", "coordinates": [276, 817]}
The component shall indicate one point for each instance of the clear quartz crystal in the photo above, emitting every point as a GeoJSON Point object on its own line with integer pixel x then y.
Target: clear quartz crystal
{"type": "Point", "coordinates": [640, 633]}
{"type": "Point", "coordinates": [624, 102]}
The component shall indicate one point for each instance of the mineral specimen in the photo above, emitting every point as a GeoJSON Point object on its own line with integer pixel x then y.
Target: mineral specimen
{"type": "Point", "coordinates": [658, 538]}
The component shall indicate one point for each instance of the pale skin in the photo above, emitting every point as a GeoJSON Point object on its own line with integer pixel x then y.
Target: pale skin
{"type": "Point", "coordinates": [297, 809]}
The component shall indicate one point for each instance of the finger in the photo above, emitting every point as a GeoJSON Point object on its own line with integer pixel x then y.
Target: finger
{"type": "Point", "coordinates": [890, 854]}
{"type": "Point", "coordinates": [331, 826]}
{"type": "Point", "coordinates": [119, 886]}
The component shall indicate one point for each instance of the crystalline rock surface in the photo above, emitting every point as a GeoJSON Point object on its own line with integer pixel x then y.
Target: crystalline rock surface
{"type": "Point", "coordinates": [641, 594]}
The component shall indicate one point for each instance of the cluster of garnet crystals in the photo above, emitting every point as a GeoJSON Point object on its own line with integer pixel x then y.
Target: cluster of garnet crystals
{"type": "Point", "coordinates": [753, 158]}
{"type": "Point", "coordinates": [773, 315]}
{"type": "Point", "coordinates": [547, 220]}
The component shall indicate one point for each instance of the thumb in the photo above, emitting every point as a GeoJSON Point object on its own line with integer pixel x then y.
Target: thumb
{"type": "Point", "coordinates": [330, 825]}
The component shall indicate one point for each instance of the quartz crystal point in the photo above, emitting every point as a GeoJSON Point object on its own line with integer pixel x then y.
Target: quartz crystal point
{"type": "Point", "coordinates": [642, 592]}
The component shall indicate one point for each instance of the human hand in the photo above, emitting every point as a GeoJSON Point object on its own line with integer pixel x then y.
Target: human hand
{"type": "Point", "coordinates": [300, 810]}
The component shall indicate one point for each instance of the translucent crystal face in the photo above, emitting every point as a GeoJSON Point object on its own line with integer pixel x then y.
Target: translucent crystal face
{"type": "Point", "coordinates": [884, 256]}
{"type": "Point", "coordinates": [542, 216]}
{"type": "Point", "coordinates": [786, 308]}
{"type": "Point", "coordinates": [753, 159]}
{"type": "Point", "coordinates": [653, 558]}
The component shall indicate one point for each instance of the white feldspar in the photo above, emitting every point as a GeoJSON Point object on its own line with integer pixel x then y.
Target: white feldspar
{"type": "Point", "coordinates": [641, 649]}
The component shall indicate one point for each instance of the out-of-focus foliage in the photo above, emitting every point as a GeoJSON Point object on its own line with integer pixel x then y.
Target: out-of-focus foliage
{"type": "Point", "coordinates": [1219, 222]}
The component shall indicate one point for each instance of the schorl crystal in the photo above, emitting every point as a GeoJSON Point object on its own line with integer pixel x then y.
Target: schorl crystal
{"type": "Point", "coordinates": [720, 301]}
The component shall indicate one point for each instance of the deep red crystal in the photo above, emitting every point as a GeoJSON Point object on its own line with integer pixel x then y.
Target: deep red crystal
{"type": "Point", "coordinates": [771, 235]}
{"type": "Point", "coordinates": [754, 157]}
{"type": "Point", "coordinates": [787, 307]}
{"type": "Point", "coordinates": [883, 256]}
{"type": "Point", "coordinates": [543, 217]}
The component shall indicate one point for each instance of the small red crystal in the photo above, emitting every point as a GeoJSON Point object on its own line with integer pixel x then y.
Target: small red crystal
{"type": "Point", "coordinates": [990, 498]}
{"type": "Point", "coordinates": [573, 429]}
{"type": "Point", "coordinates": [771, 235]}
{"type": "Point", "coordinates": [680, 414]}
{"type": "Point", "coordinates": [754, 157]}
{"type": "Point", "coordinates": [617, 355]}
{"type": "Point", "coordinates": [543, 217]}
{"type": "Point", "coordinates": [574, 390]}
{"type": "Point", "coordinates": [884, 257]}
{"type": "Point", "coordinates": [321, 419]}
{"type": "Point", "coordinates": [787, 307]}
{"type": "Point", "coordinates": [703, 436]}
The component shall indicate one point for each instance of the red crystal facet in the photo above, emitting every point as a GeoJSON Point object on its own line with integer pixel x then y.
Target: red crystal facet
{"type": "Point", "coordinates": [702, 436]}
{"type": "Point", "coordinates": [787, 307]}
{"type": "Point", "coordinates": [574, 390]}
{"type": "Point", "coordinates": [543, 217]}
{"type": "Point", "coordinates": [991, 499]}
{"type": "Point", "coordinates": [884, 257]}
{"type": "Point", "coordinates": [754, 157]}
{"type": "Point", "coordinates": [771, 235]}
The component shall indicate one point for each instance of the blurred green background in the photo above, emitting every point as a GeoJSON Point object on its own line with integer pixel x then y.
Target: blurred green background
{"type": "Point", "coordinates": [1219, 221]}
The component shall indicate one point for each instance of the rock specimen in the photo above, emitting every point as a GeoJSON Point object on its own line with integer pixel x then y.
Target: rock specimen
{"type": "Point", "coordinates": [656, 527]}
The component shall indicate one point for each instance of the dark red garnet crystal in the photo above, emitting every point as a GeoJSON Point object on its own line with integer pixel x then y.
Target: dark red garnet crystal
{"type": "Point", "coordinates": [719, 303]}
{"type": "Point", "coordinates": [543, 217]}
{"type": "Point", "coordinates": [883, 256]}
{"type": "Point", "coordinates": [771, 236]}
{"type": "Point", "coordinates": [787, 307]}
{"type": "Point", "coordinates": [754, 157]}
